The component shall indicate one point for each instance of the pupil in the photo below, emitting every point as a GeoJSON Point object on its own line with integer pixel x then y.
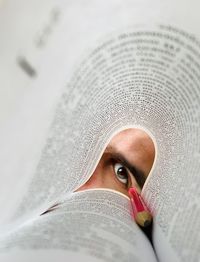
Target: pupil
{"type": "Point", "coordinates": [121, 171]}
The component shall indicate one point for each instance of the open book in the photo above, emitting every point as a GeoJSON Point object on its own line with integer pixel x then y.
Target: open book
{"type": "Point", "coordinates": [74, 75]}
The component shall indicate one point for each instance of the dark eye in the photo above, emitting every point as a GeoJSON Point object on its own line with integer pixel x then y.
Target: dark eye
{"type": "Point", "coordinates": [121, 173]}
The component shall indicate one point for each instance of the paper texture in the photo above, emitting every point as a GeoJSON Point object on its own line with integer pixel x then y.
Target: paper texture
{"type": "Point", "coordinates": [94, 223]}
{"type": "Point", "coordinates": [130, 76]}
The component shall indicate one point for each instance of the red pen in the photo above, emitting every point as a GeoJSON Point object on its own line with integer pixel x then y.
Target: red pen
{"type": "Point", "coordinates": [140, 212]}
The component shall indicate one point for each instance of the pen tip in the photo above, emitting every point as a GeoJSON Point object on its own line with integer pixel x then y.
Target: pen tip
{"type": "Point", "coordinates": [143, 218]}
{"type": "Point", "coordinates": [147, 223]}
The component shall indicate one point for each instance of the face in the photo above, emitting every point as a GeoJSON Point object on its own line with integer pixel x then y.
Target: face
{"type": "Point", "coordinates": [126, 162]}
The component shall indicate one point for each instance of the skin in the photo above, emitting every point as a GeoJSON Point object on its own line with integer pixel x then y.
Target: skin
{"type": "Point", "coordinates": [126, 161]}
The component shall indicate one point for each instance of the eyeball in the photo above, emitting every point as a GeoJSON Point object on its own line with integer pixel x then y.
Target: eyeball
{"type": "Point", "coordinates": [121, 173]}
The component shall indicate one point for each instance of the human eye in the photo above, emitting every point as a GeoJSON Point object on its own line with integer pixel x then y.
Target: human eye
{"type": "Point", "coordinates": [121, 173]}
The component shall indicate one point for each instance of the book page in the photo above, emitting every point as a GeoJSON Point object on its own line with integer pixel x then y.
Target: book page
{"type": "Point", "coordinates": [150, 90]}
{"type": "Point", "coordinates": [95, 225]}
{"type": "Point", "coordinates": [172, 190]}
{"type": "Point", "coordinates": [132, 76]}
{"type": "Point", "coordinates": [41, 55]}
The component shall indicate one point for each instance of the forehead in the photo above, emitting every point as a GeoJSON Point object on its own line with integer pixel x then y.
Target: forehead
{"type": "Point", "coordinates": [131, 138]}
{"type": "Point", "coordinates": [136, 146]}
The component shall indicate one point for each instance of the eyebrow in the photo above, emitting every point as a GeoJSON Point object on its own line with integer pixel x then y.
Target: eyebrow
{"type": "Point", "coordinates": [137, 173]}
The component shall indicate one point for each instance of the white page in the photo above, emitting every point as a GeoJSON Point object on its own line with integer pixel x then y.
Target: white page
{"type": "Point", "coordinates": [52, 45]}
{"type": "Point", "coordinates": [94, 224]}
{"type": "Point", "coordinates": [176, 122]}
{"type": "Point", "coordinates": [156, 97]}
{"type": "Point", "coordinates": [28, 102]}
{"type": "Point", "coordinates": [46, 255]}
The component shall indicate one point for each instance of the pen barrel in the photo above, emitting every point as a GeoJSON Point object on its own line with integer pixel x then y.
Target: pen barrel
{"type": "Point", "coordinates": [140, 212]}
{"type": "Point", "coordinates": [136, 201]}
